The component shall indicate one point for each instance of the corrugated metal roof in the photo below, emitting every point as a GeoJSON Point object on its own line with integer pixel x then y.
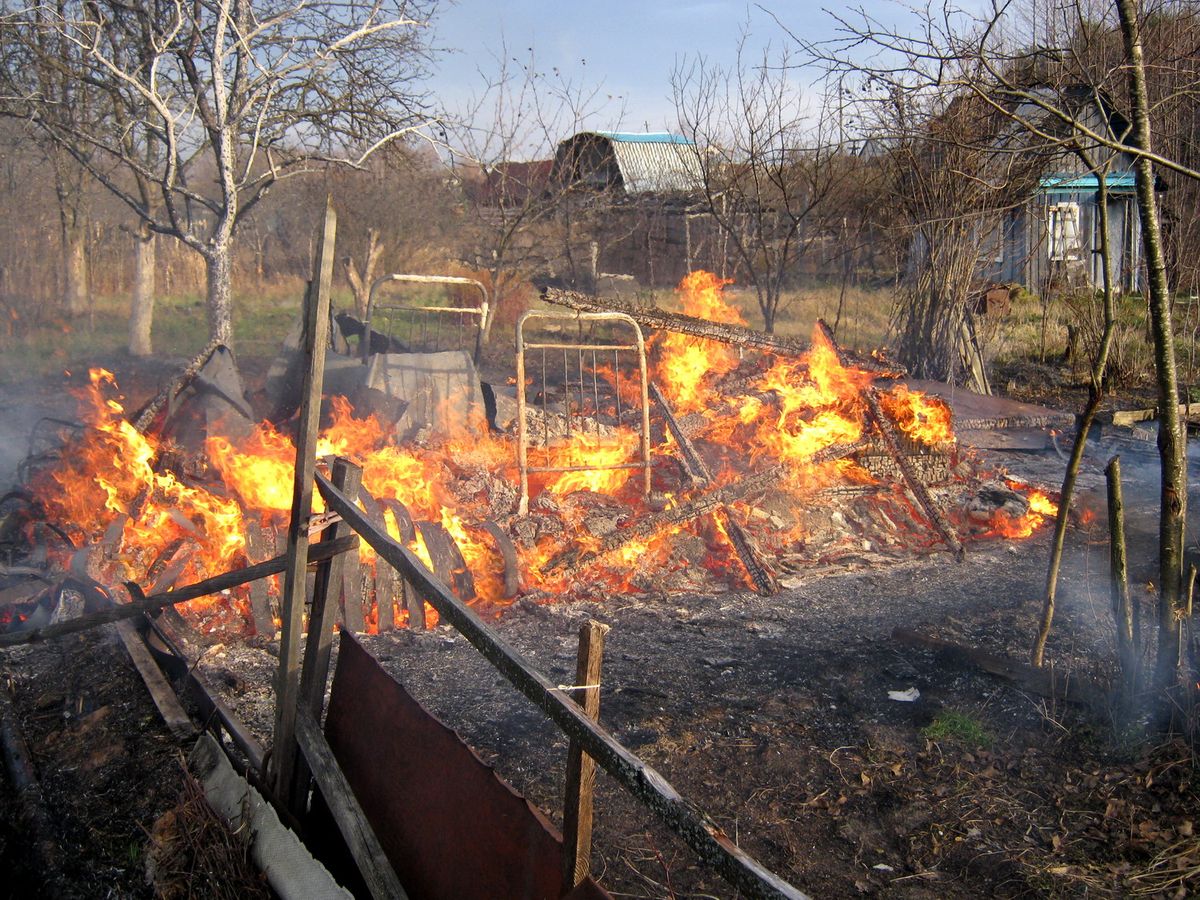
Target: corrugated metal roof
{"type": "Point", "coordinates": [650, 163]}
{"type": "Point", "coordinates": [648, 137]}
{"type": "Point", "coordinates": [1072, 182]}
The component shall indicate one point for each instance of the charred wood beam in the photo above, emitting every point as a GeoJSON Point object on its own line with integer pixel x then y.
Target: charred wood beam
{"type": "Point", "coordinates": [714, 847]}
{"type": "Point", "coordinates": [737, 335]}
{"type": "Point", "coordinates": [892, 441]}
{"type": "Point", "coordinates": [571, 561]}
{"type": "Point", "coordinates": [693, 464]}
{"type": "Point", "coordinates": [765, 582]}
{"type": "Point", "coordinates": [177, 384]}
{"type": "Point", "coordinates": [155, 602]}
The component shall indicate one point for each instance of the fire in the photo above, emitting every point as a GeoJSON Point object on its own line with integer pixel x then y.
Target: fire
{"type": "Point", "coordinates": [110, 475]}
{"type": "Point", "coordinates": [1041, 508]}
{"type": "Point", "coordinates": [923, 418]}
{"type": "Point", "coordinates": [687, 365]}
{"type": "Point", "coordinates": [745, 415]}
{"type": "Point", "coordinates": [594, 453]}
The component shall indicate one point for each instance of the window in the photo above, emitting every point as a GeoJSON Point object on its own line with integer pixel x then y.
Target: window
{"type": "Point", "coordinates": [1062, 231]}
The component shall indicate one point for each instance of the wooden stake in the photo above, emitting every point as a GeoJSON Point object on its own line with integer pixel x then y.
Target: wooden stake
{"type": "Point", "coordinates": [347, 477]}
{"type": "Point", "coordinates": [372, 862]}
{"type": "Point", "coordinates": [316, 336]}
{"type": "Point", "coordinates": [1128, 631]}
{"type": "Point", "coordinates": [260, 595]}
{"type": "Point", "coordinates": [581, 768]}
{"type": "Point", "coordinates": [315, 672]}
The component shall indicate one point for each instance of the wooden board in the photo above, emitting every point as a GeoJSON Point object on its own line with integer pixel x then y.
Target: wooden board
{"type": "Point", "coordinates": [973, 411]}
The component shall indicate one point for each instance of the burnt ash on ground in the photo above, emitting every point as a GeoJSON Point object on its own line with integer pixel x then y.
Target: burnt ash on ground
{"type": "Point", "coordinates": [772, 714]}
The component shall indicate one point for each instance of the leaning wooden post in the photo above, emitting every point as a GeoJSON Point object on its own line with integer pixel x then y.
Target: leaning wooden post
{"type": "Point", "coordinates": [581, 768]}
{"type": "Point", "coordinates": [287, 682]}
{"type": "Point", "coordinates": [315, 670]}
{"type": "Point", "coordinates": [1128, 631]}
{"type": "Point", "coordinates": [1186, 664]}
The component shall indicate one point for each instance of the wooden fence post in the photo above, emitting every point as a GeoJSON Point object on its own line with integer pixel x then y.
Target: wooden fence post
{"type": "Point", "coordinates": [315, 669]}
{"type": "Point", "coordinates": [287, 686]}
{"type": "Point", "coordinates": [581, 768]}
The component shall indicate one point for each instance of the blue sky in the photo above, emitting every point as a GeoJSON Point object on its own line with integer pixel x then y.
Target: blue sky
{"type": "Point", "coordinates": [628, 47]}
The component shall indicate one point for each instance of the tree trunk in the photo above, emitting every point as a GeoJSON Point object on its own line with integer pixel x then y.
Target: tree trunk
{"type": "Point", "coordinates": [218, 264]}
{"type": "Point", "coordinates": [141, 313]}
{"type": "Point", "coordinates": [1173, 496]}
{"type": "Point", "coordinates": [75, 248]}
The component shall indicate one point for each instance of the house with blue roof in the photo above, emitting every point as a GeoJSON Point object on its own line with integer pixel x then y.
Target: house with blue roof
{"type": "Point", "coordinates": [1053, 240]}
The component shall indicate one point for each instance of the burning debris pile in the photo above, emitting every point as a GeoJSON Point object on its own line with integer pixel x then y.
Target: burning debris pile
{"type": "Point", "coordinates": [760, 466]}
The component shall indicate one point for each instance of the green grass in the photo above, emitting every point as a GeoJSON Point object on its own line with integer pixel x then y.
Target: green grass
{"type": "Point", "coordinates": [37, 349]}
{"type": "Point", "coordinates": [951, 726]}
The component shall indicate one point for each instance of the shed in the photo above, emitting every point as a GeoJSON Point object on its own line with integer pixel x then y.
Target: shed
{"type": "Point", "coordinates": [627, 163]}
{"type": "Point", "coordinates": [1053, 239]}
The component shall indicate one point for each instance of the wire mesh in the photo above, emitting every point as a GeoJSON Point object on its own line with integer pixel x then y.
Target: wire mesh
{"type": "Point", "coordinates": [581, 395]}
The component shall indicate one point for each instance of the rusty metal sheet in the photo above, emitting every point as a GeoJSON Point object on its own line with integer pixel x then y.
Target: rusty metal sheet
{"type": "Point", "coordinates": [451, 828]}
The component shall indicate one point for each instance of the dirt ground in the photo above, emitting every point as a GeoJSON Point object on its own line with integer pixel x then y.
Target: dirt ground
{"type": "Point", "coordinates": [772, 714]}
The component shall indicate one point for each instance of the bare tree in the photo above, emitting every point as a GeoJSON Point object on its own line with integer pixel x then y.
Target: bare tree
{"type": "Point", "coordinates": [1030, 78]}
{"type": "Point", "coordinates": [767, 159]}
{"type": "Point", "coordinates": [211, 103]}
{"type": "Point", "coordinates": [503, 148]}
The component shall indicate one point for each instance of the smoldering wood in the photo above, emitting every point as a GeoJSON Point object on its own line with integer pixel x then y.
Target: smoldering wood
{"type": "Point", "coordinates": [693, 464]}
{"type": "Point", "coordinates": [447, 559]}
{"type": "Point", "coordinates": [155, 602]}
{"type": "Point", "coordinates": [1043, 681]}
{"type": "Point", "coordinates": [581, 768]}
{"type": "Point", "coordinates": [260, 594]}
{"type": "Point", "coordinates": [737, 335]}
{"type": "Point", "coordinates": [385, 576]}
{"type": "Point", "coordinates": [343, 575]}
{"type": "Point", "coordinates": [412, 602]}
{"type": "Point", "coordinates": [508, 552]}
{"type": "Point", "coordinates": [887, 431]}
{"type": "Point", "coordinates": [705, 837]}
{"type": "Point", "coordinates": [764, 580]}
{"type": "Point", "coordinates": [911, 478]}
{"type": "Point", "coordinates": [1125, 616]}
{"type": "Point", "coordinates": [371, 861]}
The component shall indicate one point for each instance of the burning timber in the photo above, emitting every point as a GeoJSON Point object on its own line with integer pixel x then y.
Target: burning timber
{"type": "Point", "coordinates": [758, 464]}
{"type": "Point", "coordinates": [726, 332]}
